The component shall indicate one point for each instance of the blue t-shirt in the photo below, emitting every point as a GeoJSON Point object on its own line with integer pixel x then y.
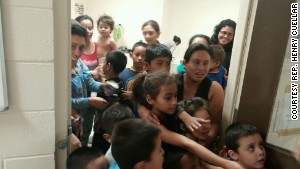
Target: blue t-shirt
{"type": "Point", "coordinates": [219, 77]}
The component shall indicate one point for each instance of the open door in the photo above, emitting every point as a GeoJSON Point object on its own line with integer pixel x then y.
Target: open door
{"type": "Point", "coordinates": [264, 66]}
{"type": "Point", "coordinates": [62, 79]}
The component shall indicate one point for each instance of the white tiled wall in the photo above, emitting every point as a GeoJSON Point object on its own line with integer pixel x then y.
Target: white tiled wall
{"type": "Point", "coordinates": [37, 162]}
{"type": "Point", "coordinates": [28, 127]}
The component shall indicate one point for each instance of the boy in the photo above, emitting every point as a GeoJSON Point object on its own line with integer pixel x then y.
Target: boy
{"type": "Point", "coordinates": [82, 80]}
{"type": "Point", "coordinates": [137, 55]}
{"type": "Point", "coordinates": [217, 72]}
{"type": "Point", "coordinates": [86, 158]}
{"type": "Point", "coordinates": [136, 144]}
{"type": "Point", "coordinates": [106, 43]}
{"type": "Point", "coordinates": [158, 58]}
{"type": "Point", "coordinates": [245, 145]}
{"type": "Point", "coordinates": [115, 62]}
{"type": "Point", "coordinates": [110, 118]}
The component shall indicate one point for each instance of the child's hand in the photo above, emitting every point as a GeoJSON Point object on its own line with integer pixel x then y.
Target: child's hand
{"type": "Point", "coordinates": [193, 123]}
{"type": "Point", "coordinates": [146, 114]}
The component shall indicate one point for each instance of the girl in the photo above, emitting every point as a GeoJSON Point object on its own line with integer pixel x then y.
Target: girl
{"type": "Point", "coordinates": [159, 92]}
{"type": "Point", "coordinates": [151, 32]}
{"type": "Point", "coordinates": [197, 107]}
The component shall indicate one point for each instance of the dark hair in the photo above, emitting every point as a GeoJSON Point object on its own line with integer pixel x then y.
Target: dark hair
{"type": "Point", "coordinates": [149, 84]}
{"type": "Point", "coordinates": [218, 54]}
{"type": "Point", "coordinates": [139, 44]}
{"type": "Point", "coordinates": [117, 59]}
{"type": "Point", "coordinates": [81, 157]}
{"type": "Point", "coordinates": [157, 50]}
{"type": "Point", "coordinates": [133, 140]}
{"type": "Point", "coordinates": [177, 39]}
{"type": "Point", "coordinates": [194, 104]}
{"type": "Point", "coordinates": [207, 38]}
{"type": "Point", "coordinates": [236, 131]}
{"type": "Point", "coordinates": [196, 47]}
{"type": "Point", "coordinates": [114, 114]}
{"type": "Point", "coordinates": [77, 29]}
{"type": "Point", "coordinates": [152, 23]}
{"type": "Point", "coordinates": [84, 17]}
{"type": "Point", "coordinates": [106, 19]}
{"type": "Point", "coordinates": [217, 29]}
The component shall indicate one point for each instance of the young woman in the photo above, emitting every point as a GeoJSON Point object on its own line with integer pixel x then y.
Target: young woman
{"type": "Point", "coordinates": [224, 35]}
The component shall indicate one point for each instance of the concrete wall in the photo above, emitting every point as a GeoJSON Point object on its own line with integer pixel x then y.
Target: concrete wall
{"type": "Point", "coordinates": [28, 127]}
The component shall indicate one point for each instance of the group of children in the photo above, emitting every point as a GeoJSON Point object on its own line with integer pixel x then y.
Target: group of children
{"type": "Point", "coordinates": [148, 91]}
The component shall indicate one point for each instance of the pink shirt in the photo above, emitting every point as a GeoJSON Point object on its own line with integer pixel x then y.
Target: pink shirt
{"type": "Point", "coordinates": [90, 60]}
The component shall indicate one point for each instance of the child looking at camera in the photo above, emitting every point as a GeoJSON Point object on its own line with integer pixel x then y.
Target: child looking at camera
{"type": "Point", "coordinates": [105, 25]}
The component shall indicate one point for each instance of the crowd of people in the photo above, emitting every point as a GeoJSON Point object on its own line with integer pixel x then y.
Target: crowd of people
{"type": "Point", "coordinates": [145, 118]}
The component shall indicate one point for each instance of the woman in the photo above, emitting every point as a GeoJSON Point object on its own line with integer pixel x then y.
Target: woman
{"type": "Point", "coordinates": [89, 56]}
{"type": "Point", "coordinates": [224, 36]}
{"type": "Point", "coordinates": [196, 39]}
{"type": "Point", "coordinates": [151, 32]}
{"type": "Point", "coordinates": [195, 83]}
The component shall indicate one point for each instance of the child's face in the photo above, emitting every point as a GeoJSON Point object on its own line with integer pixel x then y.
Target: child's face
{"type": "Point", "coordinates": [138, 56]}
{"type": "Point", "coordinates": [161, 63]}
{"type": "Point", "coordinates": [200, 135]}
{"type": "Point", "coordinates": [150, 34]}
{"type": "Point", "coordinates": [165, 101]}
{"type": "Point", "coordinates": [86, 23]}
{"type": "Point", "coordinates": [214, 64]}
{"type": "Point", "coordinates": [251, 152]}
{"type": "Point", "coordinates": [198, 65]}
{"type": "Point", "coordinates": [77, 47]}
{"type": "Point", "coordinates": [98, 163]}
{"type": "Point", "coordinates": [225, 35]}
{"type": "Point", "coordinates": [157, 156]}
{"type": "Point", "coordinates": [104, 29]}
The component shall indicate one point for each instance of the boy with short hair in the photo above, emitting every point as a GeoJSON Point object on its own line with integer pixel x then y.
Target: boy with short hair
{"type": "Point", "coordinates": [217, 72]}
{"type": "Point", "coordinates": [110, 118]}
{"type": "Point", "coordinates": [137, 55]}
{"type": "Point", "coordinates": [136, 144]}
{"type": "Point", "coordinates": [245, 145]}
{"type": "Point", "coordinates": [105, 25]}
{"type": "Point", "coordinates": [158, 58]}
{"type": "Point", "coordinates": [115, 62]}
{"type": "Point", "coordinates": [86, 158]}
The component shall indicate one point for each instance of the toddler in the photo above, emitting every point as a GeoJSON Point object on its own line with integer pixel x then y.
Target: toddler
{"type": "Point", "coordinates": [106, 43]}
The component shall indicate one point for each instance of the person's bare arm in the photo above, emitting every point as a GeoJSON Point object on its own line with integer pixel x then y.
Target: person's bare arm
{"type": "Point", "coordinates": [216, 99]}
{"type": "Point", "coordinates": [113, 45]}
{"type": "Point", "coordinates": [192, 123]}
{"type": "Point", "coordinates": [195, 148]}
